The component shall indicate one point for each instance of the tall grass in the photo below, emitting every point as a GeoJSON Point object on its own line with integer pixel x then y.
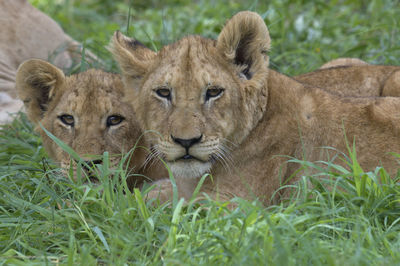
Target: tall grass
{"type": "Point", "coordinates": [330, 219]}
{"type": "Point", "coordinates": [336, 216]}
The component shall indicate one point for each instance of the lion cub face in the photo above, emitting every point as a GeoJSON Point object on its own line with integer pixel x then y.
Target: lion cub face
{"type": "Point", "coordinates": [192, 92]}
{"type": "Point", "coordinates": [84, 110]}
{"type": "Point", "coordinates": [189, 109]}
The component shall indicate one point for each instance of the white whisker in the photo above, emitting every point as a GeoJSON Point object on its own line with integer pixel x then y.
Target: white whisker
{"type": "Point", "coordinates": [221, 158]}
{"type": "Point", "coordinates": [151, 158]}
{"type": "Point", "coordinates": [224, 140]}
{"type": "Point", "coordinates": [227, 154]}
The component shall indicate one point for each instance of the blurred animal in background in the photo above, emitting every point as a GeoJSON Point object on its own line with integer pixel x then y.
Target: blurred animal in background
{"type": "Point", "coordinates": [25, 33]}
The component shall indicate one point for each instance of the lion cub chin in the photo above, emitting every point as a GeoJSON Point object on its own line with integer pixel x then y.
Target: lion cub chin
{"type": "Point", "coordinates": [215, 102]}
{"type": "Point", "coordinates": [86, 112]}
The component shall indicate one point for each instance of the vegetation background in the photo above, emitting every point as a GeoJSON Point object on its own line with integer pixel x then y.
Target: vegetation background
{"type": "Point", "coordinates": [45, 218]}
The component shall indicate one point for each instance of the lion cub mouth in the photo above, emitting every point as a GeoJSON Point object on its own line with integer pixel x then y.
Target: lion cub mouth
{"type": "Point", "coordinates": [189, 166]}
{"type": "Point", "coordinates": [188, 158]}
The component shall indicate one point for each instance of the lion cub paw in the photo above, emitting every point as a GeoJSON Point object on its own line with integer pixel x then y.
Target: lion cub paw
{"type": "Point", "coordinates": [162, 191]}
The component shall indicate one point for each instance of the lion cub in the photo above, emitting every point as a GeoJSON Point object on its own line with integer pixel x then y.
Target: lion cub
{"type": "Point", "coordinates": [83, 110]}
{"type": "Point", "coordinates": [219, 109]}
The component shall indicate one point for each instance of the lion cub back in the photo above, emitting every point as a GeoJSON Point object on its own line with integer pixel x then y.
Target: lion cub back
{"type": "Point", "coordinates": [360, 80]}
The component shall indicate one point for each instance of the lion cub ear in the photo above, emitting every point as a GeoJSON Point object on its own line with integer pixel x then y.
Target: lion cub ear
{"type": "Point", "coordinates": [245, 41]}
{"type": "Point", "coordinates": [132, 56]}
{"type": "Point", "coordinates": [37, 82]}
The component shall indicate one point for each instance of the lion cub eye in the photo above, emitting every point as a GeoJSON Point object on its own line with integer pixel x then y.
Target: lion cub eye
{"type": "Point", "coordinates": [67, 120]}
{"type": "Point", "coordinates": [164, 93]}
{"type": "Point", "coordinates": [213, 92]}
{"type": "Point", "coordinates": [114, 120]}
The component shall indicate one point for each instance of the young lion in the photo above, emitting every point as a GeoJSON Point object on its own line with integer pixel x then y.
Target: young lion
{"type": "Point", "coordinates": [83, 110]}
{"type": "Point", "coordinates": [220, 110]}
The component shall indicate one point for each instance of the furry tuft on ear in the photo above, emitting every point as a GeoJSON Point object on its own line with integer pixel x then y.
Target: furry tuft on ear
{"type": "Point", "coordinates": [37, 83]}
{"type": "Point", "coordinates": [132, 56]}
{"type": "Point", "coordinates": [244, 41]}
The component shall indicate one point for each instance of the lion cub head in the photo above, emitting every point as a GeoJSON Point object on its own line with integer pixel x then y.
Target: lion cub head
{"type": "Point", "coordinates": [83, 110]}
{"type": "Point", "coordinates": [201, 96]}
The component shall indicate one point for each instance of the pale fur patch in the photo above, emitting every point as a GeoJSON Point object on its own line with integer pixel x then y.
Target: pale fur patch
{"type": "Point", "coordinates": [308, 107]}
{"type": "Point", "coordinates": [8, 106]}
{"type": "Point", "coordinates": [191, 169]}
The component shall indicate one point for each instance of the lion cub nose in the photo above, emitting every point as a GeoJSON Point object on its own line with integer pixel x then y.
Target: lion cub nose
{"type": "Point", "coordinates": [93, 162]}
{"type": "Point", "coordinates": [187, 143]}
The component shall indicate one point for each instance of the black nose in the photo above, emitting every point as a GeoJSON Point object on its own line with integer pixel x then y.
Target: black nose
{"type": "Point", "coordinates": [92, 163]}
{"type": "Point", "coordinates": [187, 143]}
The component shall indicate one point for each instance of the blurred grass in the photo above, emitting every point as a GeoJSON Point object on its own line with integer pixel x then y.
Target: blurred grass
{"type": "Point", "coordinates": [347, 216]}
{"type": "Point", "coordinates": [305, 34]}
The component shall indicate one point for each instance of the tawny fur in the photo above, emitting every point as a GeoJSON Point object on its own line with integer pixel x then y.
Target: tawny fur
{"type": "Point", "coordinates": [261, 118]}
{"type": "Point", "coordinates": [357, 80]}
{"type": "Point", "coordinates": [344, 61]}
{"type": "Point", "coordinates": [90, 97]}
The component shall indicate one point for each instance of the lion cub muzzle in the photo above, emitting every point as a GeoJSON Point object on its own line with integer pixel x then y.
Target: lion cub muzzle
{"type": "Point", "coordinates": [187, 143]}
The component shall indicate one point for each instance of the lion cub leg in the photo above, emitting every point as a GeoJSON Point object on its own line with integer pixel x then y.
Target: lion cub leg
{"type": "Point", "coordinates": [163, 190]}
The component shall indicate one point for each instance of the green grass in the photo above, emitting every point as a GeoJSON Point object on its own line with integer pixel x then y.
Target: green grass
{"type": "Point", "coordinates": [335, 217]}
{"type": "Point", "coordinates": [305, 34]}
